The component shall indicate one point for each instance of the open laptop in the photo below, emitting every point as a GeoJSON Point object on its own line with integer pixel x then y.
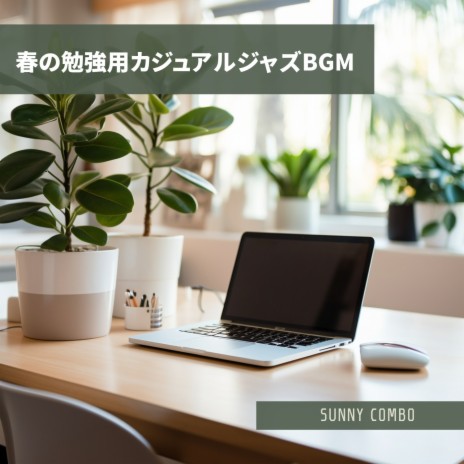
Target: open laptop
{"type": "Point", "coordinates": [290, 296]}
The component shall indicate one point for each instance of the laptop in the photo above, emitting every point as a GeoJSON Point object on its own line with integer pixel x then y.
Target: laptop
{"type": "Point", "coordinates": [290, 296]}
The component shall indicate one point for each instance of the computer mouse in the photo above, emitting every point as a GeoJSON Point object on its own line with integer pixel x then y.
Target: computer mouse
{"type": "Point", "coordinates": [392, 356]}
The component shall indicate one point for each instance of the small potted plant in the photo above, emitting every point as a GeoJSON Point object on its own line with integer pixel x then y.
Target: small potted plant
{"type": "Point", "coordinates": [295, 176]}
{"type": "Point", "coordinates": [438, 181]}
{"type": "Point", "coordinates": [400, 194]}
{"type": "Point", "coordinates": [151, 263]}
{"type": "Point", "coordinates": [66, 290]}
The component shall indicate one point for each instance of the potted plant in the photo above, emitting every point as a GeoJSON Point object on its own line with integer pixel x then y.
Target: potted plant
{"type": "Point", "coordinates": [400, 194]}
{"type": "Point", "coordinates": [151, 263]}
{"type": "Point", "coordinates": [438, 181]}
{"type": "Point", "coordinates": [66, 290]}
{"type": "Point", "coordinates": [295, 176]}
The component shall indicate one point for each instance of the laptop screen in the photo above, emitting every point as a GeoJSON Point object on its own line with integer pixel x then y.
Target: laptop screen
{"type": "Point", "coordinates": [310, 283]}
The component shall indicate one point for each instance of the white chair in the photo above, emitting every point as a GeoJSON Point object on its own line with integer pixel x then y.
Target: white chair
{"type": "Point", "coordinates": [46, 428]}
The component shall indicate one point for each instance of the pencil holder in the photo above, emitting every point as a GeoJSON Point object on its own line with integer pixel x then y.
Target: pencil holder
{"type": "Point", "coordinates": [141, 318]}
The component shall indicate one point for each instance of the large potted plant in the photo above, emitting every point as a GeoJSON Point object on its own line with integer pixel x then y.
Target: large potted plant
{"type": "Point", "coordinates": [438, 181]}
{"type": "Point", "coordinates": [66, 290]}
{"type": "Point", "coordinates": [151, 263]}
{"type": "Point", "coordinates": [298, 208]}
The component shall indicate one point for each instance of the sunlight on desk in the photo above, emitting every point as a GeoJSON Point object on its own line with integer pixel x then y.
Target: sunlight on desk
{"type": "Point", "coordinates": [201, 410]}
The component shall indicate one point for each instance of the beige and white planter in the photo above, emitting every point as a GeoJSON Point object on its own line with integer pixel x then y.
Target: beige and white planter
{"type": "Point", "coordinates": [66, 295]}
{"type": "Point", "coordinates": [298, 214]}
{"type": "Point", "coordinates": [148, 265]}
{"type": "Point", "coordinates": [428, 212]}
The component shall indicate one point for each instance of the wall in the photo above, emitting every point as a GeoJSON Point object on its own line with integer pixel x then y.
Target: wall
{"type": "Point", "coordinates": [402, 277]}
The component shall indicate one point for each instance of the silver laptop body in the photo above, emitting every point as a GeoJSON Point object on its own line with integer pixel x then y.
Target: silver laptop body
{"type": "Point", "coordinates": [290, 296]}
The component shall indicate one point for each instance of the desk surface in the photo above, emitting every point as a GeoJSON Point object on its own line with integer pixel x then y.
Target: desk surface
{"type": "Point", "coordinates": [199, 410]}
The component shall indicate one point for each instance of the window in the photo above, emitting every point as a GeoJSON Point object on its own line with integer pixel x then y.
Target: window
{"type": "Point", "coordinates": [417, 57]}
{"type": "Point", "coordinates": [267, 124]}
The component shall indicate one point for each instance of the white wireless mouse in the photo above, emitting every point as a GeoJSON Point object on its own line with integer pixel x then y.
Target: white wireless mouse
{"type": "Point", "coordinates": [392, 356]}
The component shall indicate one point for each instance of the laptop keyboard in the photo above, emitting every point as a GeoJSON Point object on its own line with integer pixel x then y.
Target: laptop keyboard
{"type": "Point", "coordinates": [252, 334]}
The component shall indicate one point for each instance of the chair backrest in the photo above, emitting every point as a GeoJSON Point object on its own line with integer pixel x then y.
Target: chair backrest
{"type": "Point", "coordinates": [46, 428]}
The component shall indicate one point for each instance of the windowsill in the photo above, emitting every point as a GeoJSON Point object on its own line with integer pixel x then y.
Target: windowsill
{"type": "Point", "coordinates": [330, 225]}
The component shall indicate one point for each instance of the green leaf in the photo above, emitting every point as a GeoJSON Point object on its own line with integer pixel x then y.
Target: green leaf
{"type": "Point", "coordinates": [110, 221]}
{"type": "Point", "coordinates": [22, 167]}
{"type": "Point", "coordinates": [457, 101]}
{"type": "Point", "coordinates": [41, 219]}
{"type": "Point", "coordinates": [83, 178]}
{"type": "Point", "coordinates": [454, 193]}
{"type": "Point", "coordinates": [29, 132]}
{"type": "Point", "coordinates": [90, 234]}
{"type": "Point", "coordinates": [106, 197]}
{"type": "Point", "coordinates": [177, 200]}
{"type": "Point", "coordinates": [17, 211]}
{"type": "Point", "coordinates": [58, 242]}
{"type": "Point", "coordinates": [85, 134]}
{"type": "Point", "coordinates": [449, 220]}
{"type": "Point", "coordinates": [182, 132]}
{"type": "Point", "coordinates": [136, 110]}
{"type": "Point", "coordinates": [278, 177]}
{"type": "Point", "coordinates": [198, 122]}
{"type": "Point", "coordinates": [130, 117]}
{"type": "Point", "coordinates": [194, 179]}
{"type": "Point", "coordinates": [106, 147]}
{"type": "Point", "coordinates": [80, 210]}
{"type": "Point", "coordinates": [79, 105]}
{"type": "Point", "coordinates": [33, 114]}
{"type": "Point", "coordinates": [106, 108]}
{"type": "Point", "coordinates": [30, 190]}
{"type": "Point", "coordinates": [56, 195]}
{"type": "Point", "coordinates": [430, 229]}
{"type": "Point", "coordinates": [45, 98]}
{"type": "Point", "coordinates": [74, 137]}
{"type": "Point", "coordinates": [160, 158]}
{"type": "Point", "coordinates": [89, 132]}
{"type": "Point", "coordinates": [120, 179]}
{"type": "Point", "coordinates": [156, 105]}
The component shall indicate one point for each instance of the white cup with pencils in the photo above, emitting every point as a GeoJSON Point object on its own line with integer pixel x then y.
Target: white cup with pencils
{"type": "Point", "coordinates": [144, 313]}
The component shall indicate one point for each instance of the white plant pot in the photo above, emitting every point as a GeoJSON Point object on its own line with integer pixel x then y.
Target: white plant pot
{"type": "Point", "coordinates": [64, 295]}
{"type": "Point", "coordinates": [148, 265]}
{"type": "Point", "coordinates": [298, 214]}
{"type": "Point", "coordinates": [428, 212]}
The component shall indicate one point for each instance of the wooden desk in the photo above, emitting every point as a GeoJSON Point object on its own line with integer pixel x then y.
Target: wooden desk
{"type": "Point", "coordinates": [199, 410]}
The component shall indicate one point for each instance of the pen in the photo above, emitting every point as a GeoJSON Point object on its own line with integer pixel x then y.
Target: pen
{"type": "Point", "coordinates": [127, 297]}
{"type": "Point", "coordinates": [142, 302]}
{"type": "Point", "coordinates": [135, 300]}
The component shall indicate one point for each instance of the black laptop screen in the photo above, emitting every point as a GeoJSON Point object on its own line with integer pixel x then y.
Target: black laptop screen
{"type": "Point", "coordinates": [307, 282]}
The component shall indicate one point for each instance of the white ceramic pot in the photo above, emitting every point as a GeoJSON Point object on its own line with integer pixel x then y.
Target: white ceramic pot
{"type": "Point", "coordinates": [428, 212]}
{"type": "Point", "coordinates": [66, 296]}
{"type": "Point", "coordinates": [148, 265]}
{"type": "Point", "coordinates": [298, 214]}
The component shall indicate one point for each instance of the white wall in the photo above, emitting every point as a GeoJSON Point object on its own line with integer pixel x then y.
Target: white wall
{"type": "Point", "coordinates": [402, 277]}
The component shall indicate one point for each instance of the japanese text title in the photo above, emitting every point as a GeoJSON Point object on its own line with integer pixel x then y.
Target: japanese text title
{"type": "Point", "coordinates": [123, 62]}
